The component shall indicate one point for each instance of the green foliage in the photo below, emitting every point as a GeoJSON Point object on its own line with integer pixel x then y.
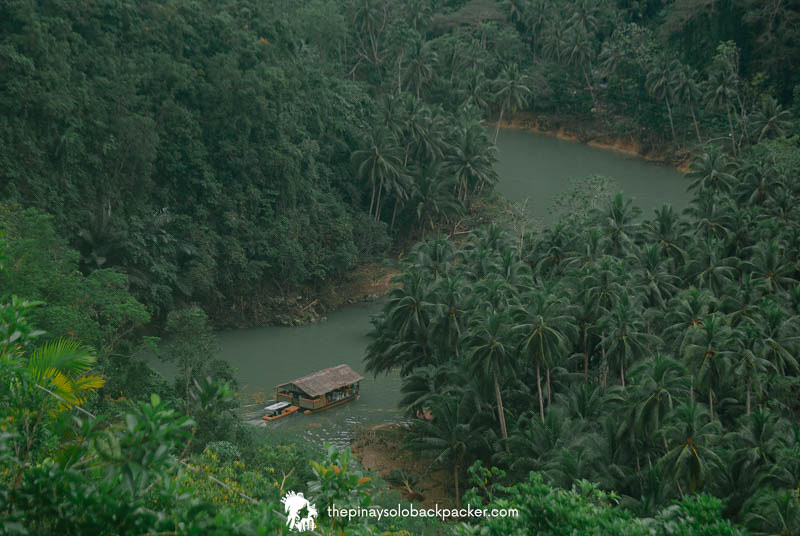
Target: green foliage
{"type": "Point", "coordinates": [655, 357]}
{"type": "Point", "coordinates": [584, 509]}
{"type": "Point", "coordinates": [97, 308]}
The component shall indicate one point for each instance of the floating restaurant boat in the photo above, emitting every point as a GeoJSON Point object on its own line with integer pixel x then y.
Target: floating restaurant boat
{"type": "Point", "coordinates": [321, 390]}
{"type": "Point", "coordinates": [279, 410]}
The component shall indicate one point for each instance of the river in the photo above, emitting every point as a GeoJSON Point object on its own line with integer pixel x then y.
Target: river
{"type": "Point", "coordinates": [532, 166]}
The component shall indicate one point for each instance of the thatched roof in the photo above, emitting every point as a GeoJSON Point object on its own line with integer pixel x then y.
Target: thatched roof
{"type": "Point", "coordinates": [326, 380]}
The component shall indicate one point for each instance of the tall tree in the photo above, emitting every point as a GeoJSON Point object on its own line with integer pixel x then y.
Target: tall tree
{"type": "Point", "coordinates": [545, 333]}
{"type": "Point", "coordinates": [660, 84]}
{"type": "Point", "coordinates": [512, 90]}
{"type": "Point", "coordinates": [377, 163]}
{"type": "Point", "coordinates": [492, 356]}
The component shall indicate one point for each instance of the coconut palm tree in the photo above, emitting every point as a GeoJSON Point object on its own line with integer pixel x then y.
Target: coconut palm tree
{"type": "Point", "coordinates": [768, 260]}
{"type": "Point", "coordinates": [587, 402]}
{"type": "Point", "coordinates": [660, 85]}
{"type": "Point", "coordinates": [743, 301]}
{"type": "Point", "coordinates": [709, 268]}
{"type": "Point", "coordinates": [710, 351]}
{"type": "Point", "coordinates": [774, 512]}
{"type": "Point", "coordinates": [684, 313]}
{"type": "Point", "coordinates": [692, 436]}
{"type": "Point", "coordinates": [378, 162]}
{"type": "Point", "coordinates": [491, 354]}
{"type": "Point", "coordinates": [780, 337]}
{"type": "Point", "coordinates": [618, 222]}
{"type": "Point", "coordinates": [471, 160]}
{"type": "Point", "coordinates": [661, 384]}
{"type": "Point", "coordinates": [750, 363]}
{"type": "Point", "coordinates": [625, 337]}
{"type": "Point", "coordinates": [585, 15]}
{"type": "Point", "coordinates": [721, 90]}
{"type": "Point", "coordinates": [424, 384]}
{"type": "Point", "coordinates": [712, 215]}
{"type": "Point", "coordinates": [534, 442]}
{"type": "Point", "coordinates": [432, 256]}
{"type": "Point", "coordinates": [758, 182]}
{"type": "Point", "coordinates": [410, 305]}
{"type": "Point", "coordinates": [398, 186]}
{"type": "Point", "coordinates": [687, 91]}
{"type": "Point", "coordinates": [446, 437]}
{"type": "Point", "coordinates": [512, 90]}
{"type": "Point", "coordinates": [432, 199]}
{"type": "Point", "coordinates": [652, 276]}
{"type": "Point", "coordinates": [670, 232]}
{"type": "Point", "coordinates": [451, 297]}
{"type": "Point", "coordinates": [476, 91]}
{"type": "Point", "coordinates": [770, 119]}
{"type": "Point", "coordinates": [602, 286]}
{"type": "Point", "coordinates": [712, 170]}
{"type": "Point", "coordinates": [545, 333]}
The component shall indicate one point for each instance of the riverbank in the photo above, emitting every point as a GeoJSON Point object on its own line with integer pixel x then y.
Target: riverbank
{"type": "Point", "coordinates": [381, 449]}
{"type": "Point", "coordinates": [364, 283]}
{"type": "Point", "coordinates": [594, 136]}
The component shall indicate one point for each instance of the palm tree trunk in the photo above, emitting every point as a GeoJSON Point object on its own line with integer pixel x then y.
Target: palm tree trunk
{"type": "Point", "coordinates": [499, 120]}
{"type": "Point", "coordinates": [622, 373]}
{"type": "Point", "coordinates": [500, 413]}
{"type": "Point", "coordinates": [605, 367]}
{"type": "Point", "coordinates": [696, 126]}
{"type": "Point", "coordinates": [748, 394]}
{"type": "Point", "coordinates": [455, 480]}
{"type": "Point", "coordinates": [372, 200]}
{"type": "Point", "coordinates": [394, 213]}
{"type": "Point", "coordinates": [378, 206]}
{"type": "Point", "coordinates": [711, 404]}
{"type": "Point", "coordinates": [586, 355]}
{"type": "Point", "coordinates": [187, 375]}
{"type": "Point", "coordinates": [539, 389]}
{"type": "Point", "coordinates": [671, 123]}
{"type": "Point", "coordinates": [730, 127]}
{"type": "Point", "coordinates": [547, 376]}
{"type": "Point", "coordinates": [589, 85]}
{"type": "Point", "coordinates": [691, 388]}
{"type": "Point", "coordinates": [399, 68]}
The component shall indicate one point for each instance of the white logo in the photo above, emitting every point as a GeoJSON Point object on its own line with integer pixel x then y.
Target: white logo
{"type": "Point", "coordinates": [293, 504]}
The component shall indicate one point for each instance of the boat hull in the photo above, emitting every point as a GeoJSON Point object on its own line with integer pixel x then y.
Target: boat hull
{"type": "Point", "coordinates": [285, 413]}
{"type": "Point", "coordinates": [331, 405]}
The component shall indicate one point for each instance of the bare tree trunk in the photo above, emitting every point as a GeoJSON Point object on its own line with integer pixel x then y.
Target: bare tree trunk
{"type": "Point", "coordinates": [603, 382]}
{"type": "Point", "coordinates": [696, 126]}
{"type": "Point", "coordinates": [399, 81]}
{"type": "Point", "coordinates": [394, 212]}
{"type": "Point", "coordinates": [547, 376]}
{"type": "Point", "coordinates": [730, 127]}
{"type": "Point", "coordinates": [187, 375]}
{"type": "Point", "coordinates": [671, 123]}
{"type": "Point", "coordinates": [500, 413]}
{"type": "Point", "coordinates": [589, 85]}
{"type": "Point", "coordinates": [539, 389]}
{"type": "Point", "coordinates": [378, 207]}
{"type": "Point", "coordinates": [586, 355]}
{"type": "Point", "coordinates": [455, 479]}
{"type": "Point", "coordinates": [711, 404]}
{"type": "Point", "coordinates": [499, 120]}
{"type": "Point", "coordinates": [372, 200]}
{"type": "Point", "coordinates": [748, 394]}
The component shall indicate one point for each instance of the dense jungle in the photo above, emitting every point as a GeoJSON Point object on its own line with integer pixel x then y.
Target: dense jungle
{"type": "Point", "coordinates": [169, 169]}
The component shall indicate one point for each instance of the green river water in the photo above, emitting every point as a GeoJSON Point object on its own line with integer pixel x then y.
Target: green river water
{"type": "Point", "coordinates": [531, 166]}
